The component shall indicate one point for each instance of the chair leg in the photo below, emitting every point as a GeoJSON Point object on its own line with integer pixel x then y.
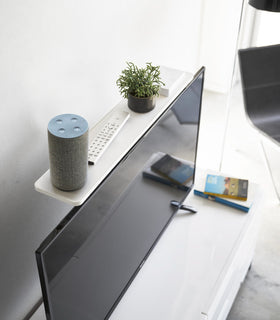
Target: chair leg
{"type": "Point", "coordinates": [275, 181]}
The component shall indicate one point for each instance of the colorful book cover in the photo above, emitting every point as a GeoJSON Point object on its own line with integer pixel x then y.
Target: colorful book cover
{"type": "Point", "coordinates": [173, 169]}
{"type": "Point", "coordinates": [253, 191]}
{"type": "Point", "coordinates": [226, 187]}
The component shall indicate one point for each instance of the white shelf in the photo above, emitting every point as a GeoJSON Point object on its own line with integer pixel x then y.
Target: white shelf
{"type": "Point", "coordinates": [132, 131]}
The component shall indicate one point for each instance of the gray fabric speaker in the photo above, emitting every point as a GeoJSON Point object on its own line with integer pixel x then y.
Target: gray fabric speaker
{"type": "Point", "coordinates": [68, 151]}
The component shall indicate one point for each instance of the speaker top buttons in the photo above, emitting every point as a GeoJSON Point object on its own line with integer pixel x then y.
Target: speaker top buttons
{"type": "Point", "coordinates": [68, 126]}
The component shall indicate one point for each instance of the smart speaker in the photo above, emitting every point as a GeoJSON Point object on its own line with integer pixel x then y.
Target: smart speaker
{"type": "Point", "coordinates": [68, 151]}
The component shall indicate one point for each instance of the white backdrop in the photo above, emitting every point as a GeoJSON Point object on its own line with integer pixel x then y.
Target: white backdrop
{"type": "Point", "coordinates": [219, 35]}
{"type": "Point", "coordinates": [268, 27]}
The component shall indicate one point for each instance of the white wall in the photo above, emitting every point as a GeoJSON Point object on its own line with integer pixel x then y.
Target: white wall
{"type": "Point", "coordinates": [267, 28]}
{"type": "Point", "coordinates": [219, 37]}
{"type": "Point", "coordinates": [64, 56]}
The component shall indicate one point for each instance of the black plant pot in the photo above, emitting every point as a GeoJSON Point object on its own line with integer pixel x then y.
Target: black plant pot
{"type": "Point", "coordinates": [141, 105]}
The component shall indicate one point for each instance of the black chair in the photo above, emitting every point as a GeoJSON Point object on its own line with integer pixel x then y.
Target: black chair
{"type": "Point", "coordinates": [260, 77]}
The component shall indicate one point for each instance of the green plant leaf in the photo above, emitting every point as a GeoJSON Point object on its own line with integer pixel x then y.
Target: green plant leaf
{"type": "Point", "coordinates": [139, 82]}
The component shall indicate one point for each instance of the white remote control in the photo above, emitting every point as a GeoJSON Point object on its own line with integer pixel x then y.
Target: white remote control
{"type": "Point", "coordinates": [105, 136]}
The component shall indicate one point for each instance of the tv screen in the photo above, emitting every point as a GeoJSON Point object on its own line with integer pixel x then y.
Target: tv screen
{"type": "Point", "coordinates": [87, 263]}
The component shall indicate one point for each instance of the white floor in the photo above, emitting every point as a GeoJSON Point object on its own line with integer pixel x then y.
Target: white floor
{"type": "Point", "coordinates": [259, 296]}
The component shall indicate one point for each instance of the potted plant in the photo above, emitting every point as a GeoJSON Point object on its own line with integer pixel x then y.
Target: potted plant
{"type": "Point", "coordinates": [140, 86]}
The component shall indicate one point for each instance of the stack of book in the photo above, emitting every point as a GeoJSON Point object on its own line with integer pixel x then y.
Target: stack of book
{"type": "Point", "coordinates": [233, 192]}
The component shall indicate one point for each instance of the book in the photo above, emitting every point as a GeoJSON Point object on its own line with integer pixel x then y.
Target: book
{"type": "Point", "coordinates": [149, 173]}
{"type": "Point", "coordinates": [233, 203]}
{"type": "Point", "coordinates": [173, 169]}
{"type": "Point", "coordinates": [226, 187]}
{"type": "Point", "coordinates": [237, 204]}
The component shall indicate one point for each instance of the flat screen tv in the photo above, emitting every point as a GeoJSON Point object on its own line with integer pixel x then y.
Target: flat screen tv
{"type": "Point", "coordinates": [88, 262]}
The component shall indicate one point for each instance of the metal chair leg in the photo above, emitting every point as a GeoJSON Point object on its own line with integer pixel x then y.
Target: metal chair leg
{"type": "Point", "coordinates": [272, 176]}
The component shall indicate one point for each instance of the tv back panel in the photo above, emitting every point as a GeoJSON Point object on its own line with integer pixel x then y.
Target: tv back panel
{"type": "Point", "coordinates": [88, 262]}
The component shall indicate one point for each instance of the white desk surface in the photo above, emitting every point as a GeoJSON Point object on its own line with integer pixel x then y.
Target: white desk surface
{"type": "Point", "coordinates": [187, 266]}
{"type": "Point", "coordinates": [132, 131]}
